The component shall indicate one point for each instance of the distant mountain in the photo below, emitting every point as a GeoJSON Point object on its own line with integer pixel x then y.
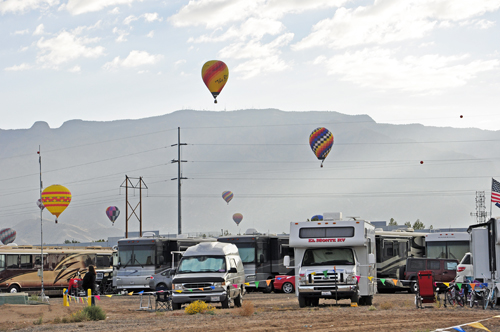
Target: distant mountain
{"type": "Point", "coordinates": [374, 171]}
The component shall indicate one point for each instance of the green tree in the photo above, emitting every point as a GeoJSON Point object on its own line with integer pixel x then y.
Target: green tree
{"type": "Point", "coordinates": [418, 225]}
{"type": "Point", "coordinates": [408, 224]}
{"type": "Point", "coordinates": [431, 227]}
{"type": "Point", "coordinates": [393, 222]}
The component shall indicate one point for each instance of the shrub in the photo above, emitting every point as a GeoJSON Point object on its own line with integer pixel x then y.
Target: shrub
{"type": "Point", "coordinates": [39, 321]}
{"type": "Point", "coordinates": [386, 305]}
{"type": "Point", "coordinates": [94, 313]}
{"type": "Point", "coordinates": [372, 308]}
{"type": "Point", "coordinates": [77, 317]}
{"type": "Point", "coordinates": [199, 307]}
{"type": "Point", "coordinates": [247, 309]}
{"type": "Point", "coordinates": [57, 320]}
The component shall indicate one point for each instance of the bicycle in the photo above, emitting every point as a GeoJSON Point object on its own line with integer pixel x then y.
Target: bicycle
{"type": "Point", "coordinates": [490, 298]}
{"type": "Point", "coordinates": [454, 296]}
{"type": "Point", "coordinates": [477, 296]}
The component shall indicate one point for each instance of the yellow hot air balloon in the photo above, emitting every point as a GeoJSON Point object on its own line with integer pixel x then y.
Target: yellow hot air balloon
{"type": "Point", "coordinates": [215, 75]}
{"type": "Point", "coordinates": [56, 199]}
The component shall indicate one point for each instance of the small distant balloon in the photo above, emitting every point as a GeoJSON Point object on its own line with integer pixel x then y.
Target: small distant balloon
{"type": "Point", "coordinates": [7, 235]}
{"type": "Point", "coordinates": [321, 141]}
{"type": "Point", "coordinates": [112, 212]}
{"type": "Point", "coordinates": [421, 162]}
{"type": "Point", "coordinates": [40, 204]}
{"type": "Point", "coordinates": [56, 199]}
{"type": "Point", "coordinates": [227, 196]}
{"type": "Point", "coordinates": [237, 217]}
{"type": "Point", "coordinates": [461, 116]}
{"type": "Point", "coordinates": [317, 218]}
{"type": "Point", "coordinates": [215, 74]}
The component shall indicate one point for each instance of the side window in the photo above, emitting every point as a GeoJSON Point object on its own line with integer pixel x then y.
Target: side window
{"type": "Point", "coordinates": [433, 265]}
{"type": "Point", "coordinates": [26, 262]}
{"type": "Point", "coordinates": [395, 248]}
{"type": "Point", "coordinates": [388, 249]}
{"type": "Point", "coordinates": [13, 261]}
{"type": "Point", "coordinates": [451, 266]}
{"type": "Point", "coordinates": [416, 265]}
{"type": "Point", "coordinates": [369, 245]}
{"type": "Point", "coordinates": [2, 262]}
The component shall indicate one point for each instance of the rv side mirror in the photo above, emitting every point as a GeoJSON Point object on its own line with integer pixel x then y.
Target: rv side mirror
{"type": "Point", "coordinates": [286, 261]}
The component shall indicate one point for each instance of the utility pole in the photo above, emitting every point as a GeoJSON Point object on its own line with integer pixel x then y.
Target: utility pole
{"type": "Point", "coordinates": [480, 213]}
{"type": "Point", "coordinates": [42, 293]}
{"type": "Point", "coordinates": [179, 178]}
{"type": "Point", "coordinates": [138, 185]}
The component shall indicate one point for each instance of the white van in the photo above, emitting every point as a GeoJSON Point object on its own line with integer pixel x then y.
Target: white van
{"type": "Point", "coordinates": [335, 259]}
{"type": "Point", "coordinates": [209, 272]}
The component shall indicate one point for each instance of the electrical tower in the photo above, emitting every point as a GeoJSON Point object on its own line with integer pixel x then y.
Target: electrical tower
{"type": "Point", "coordinates": [179, 178]}
{"type": "Point", "coordinates": [480, 213]}
{"type": "Point", "coordinates": [138, 185]}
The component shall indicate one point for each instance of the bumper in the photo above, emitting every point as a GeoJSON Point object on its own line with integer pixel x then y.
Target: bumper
{"type": "Point", "coordinates": [192, 296]}
{"type": "Point", "coordinates": [328, 291]}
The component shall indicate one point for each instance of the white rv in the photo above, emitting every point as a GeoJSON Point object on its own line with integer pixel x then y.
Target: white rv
{"type": "Point", "coordinates": [485, 249]}
{"type": "Point", "coordinates": [334, 259]}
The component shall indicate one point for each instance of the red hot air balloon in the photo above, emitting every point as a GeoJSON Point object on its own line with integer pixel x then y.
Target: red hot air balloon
{"type": "Point", "coordinates": [321, 141]}
{"type": "Point", "coordinates": [112, 212]}
{"type": "Point", "coordinates": [237, 217]}
{"type": "Point", "coordinates": [214, 74]}
{"type": "Point", "coordinates": [7, 235]}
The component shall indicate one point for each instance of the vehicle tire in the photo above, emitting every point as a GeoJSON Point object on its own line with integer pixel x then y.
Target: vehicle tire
{"type": "Point", "coordinates": [314, 301]}
{"type": "Point", "coordinates": [414, 286]}
{"type": "Point", "coordinates": [238, 300]}
{"type": "Point", "coordinates": [161, 284]}
{"type": "Point", "coordinates": [287, 288]}
{"type": "Point", "coordinates": [302, 301]}
{"type": "Point", "coordinates": [355, 298]}
{"type": "Point", "coordinates": [176, 306]}
{"type": "Point", "coordinates": [269, 288]}
{"type": "Point", "coordinates": [225, 303]}
{"type": "Point", "coordinates": [14, 289]}
{"type": "Point", "coordinates": [366, 300]}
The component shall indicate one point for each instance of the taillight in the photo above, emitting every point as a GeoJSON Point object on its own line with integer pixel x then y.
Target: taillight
{"type": "Point", "coordinates": [461, 268]}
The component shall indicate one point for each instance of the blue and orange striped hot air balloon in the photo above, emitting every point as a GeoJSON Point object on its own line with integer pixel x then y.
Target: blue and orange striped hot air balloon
{"type": "Point", "coordinates": [56, 199]}
{"type": "Point", "coordinates": [227, 196]}
{"type": "Point", "coordinates": [321, 141]}
{"type": "Point", "coordinates": [215, 74]}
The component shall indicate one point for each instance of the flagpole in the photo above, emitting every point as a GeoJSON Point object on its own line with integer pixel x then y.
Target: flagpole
{"type": "Point", "coordinates": [491, 195]}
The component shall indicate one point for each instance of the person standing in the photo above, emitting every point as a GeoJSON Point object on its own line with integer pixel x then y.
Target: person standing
{"type": "Point", "coordinates": [89, 282]}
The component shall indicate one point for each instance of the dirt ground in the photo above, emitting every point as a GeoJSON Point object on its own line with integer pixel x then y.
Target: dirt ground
{"type": "Point", "coordinates": [272, 312]}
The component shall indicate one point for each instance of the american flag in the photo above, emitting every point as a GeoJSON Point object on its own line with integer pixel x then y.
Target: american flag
{"type": "Point", "coordinates": [495, 191]}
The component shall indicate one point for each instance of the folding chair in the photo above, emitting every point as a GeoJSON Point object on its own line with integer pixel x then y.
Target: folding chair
{"type": "Point", "coordinates": [426, 291]}
{"type": "Point", "coordinates": [163, 300]}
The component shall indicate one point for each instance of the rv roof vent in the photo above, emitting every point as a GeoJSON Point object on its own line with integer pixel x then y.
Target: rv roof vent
{"type": "Point", "coordinates": [251, 231]}
{"type": "Point", "coordinates": [148, 234]}
{"type": "Point", "coordinates": [379, 230]}
{"type": "Point", "coordinates": [330, 216]}
{"type": "Point", "coordinates": [182, 236]}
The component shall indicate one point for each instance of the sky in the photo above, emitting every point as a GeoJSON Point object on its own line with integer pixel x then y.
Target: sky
{"type": "Point", "coordinates": [434, 62]}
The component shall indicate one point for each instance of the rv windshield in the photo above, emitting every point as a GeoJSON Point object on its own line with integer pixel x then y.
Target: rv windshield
{"type": "Point", "coordinates": [247, 252]}
{"type": "Point", "coordinates": [136, 255]}
{"type": "Point", "coordinates": [328, 256]}
{"type": "Point", "coordinates": [199, 264]}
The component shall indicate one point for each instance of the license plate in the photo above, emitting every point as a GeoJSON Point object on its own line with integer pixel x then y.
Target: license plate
{"type": "Point", "coordinates": [326, 293]}
{"type": "Point", "coordinates": [215, 298]}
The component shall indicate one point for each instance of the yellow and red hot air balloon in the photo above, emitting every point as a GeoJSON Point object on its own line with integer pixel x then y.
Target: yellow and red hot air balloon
{"type": "Point", "coordinates": [56, 199]}
{"type": "Point", "coordinates": [214, 74]}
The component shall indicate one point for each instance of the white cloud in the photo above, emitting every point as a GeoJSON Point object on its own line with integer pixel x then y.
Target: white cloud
{"type": "Point", "coordinates": [256, 67]}
{"type": "Point", "coordinates": [39, 30]}
{"type": "Point", "coordinates": [23, 66]}
{"type": "Point", "coordinates": [129, 19]}
{"type": "Point", "coordinates": [121, 35]}
{"type": "Point", "coordinates": [21, 32]}
{"type": "Point", "coordinates": [134, 59]}
{"type": "Point", "coordinates": [485, 24]}
{"type": "Point", "coordinates": [75, 69]}
{"type": "Point", "coordinates": [381, 69]}
{"type": "Point", "coordinates": [150, 34]}
{"type": "Point", "coordinates": [65, 47]}
{"type": "Point", "coordinates": [115, 11]}
{"type": "Point", "coordinates": [151, 17]}
{"type": "Point", "coordinates": [255, 49]}
{"type": "Point", "coordinates": [179, 62]}
{"type": "Point", "coordinates": [77, 7]}
{"type": "Point", "coordinates": [389, 21]}
{"type": "Point", "coordinates": [21, 6]}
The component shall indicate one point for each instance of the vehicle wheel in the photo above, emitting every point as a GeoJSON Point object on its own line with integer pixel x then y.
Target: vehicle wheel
{"type": "Point", "coordinates": [287, 288]}
{"type": "Point", "coordinates": [450, 298]}
{"type": "Point", "coordinates": [176, 306]}
{"type": "Point", "coordinates": [14, 289]}
{"type": "Point", "coordinates": [269, 288]}
{"type": "Point", "coordinates": [366, 300]}
{"type": "Point", "coordinates": [302, 301]}
{"type": "Point", "coordinates": [238, 300]}
{"type": "Point", "coordinates": [414, 286]}
{"type": "Point", "coordinates": [161, 285]}
{"type": "Point", "coordinates": [314, 302]}
{"type": "Point", "coordinates": [225, 303]}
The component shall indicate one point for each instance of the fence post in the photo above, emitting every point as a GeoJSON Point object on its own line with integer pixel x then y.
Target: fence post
{"type": "Point", "coordinates": [89, 298]}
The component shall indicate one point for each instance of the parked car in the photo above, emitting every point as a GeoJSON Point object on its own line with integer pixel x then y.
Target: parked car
{"type": "Point", "coordinates": [464, 268]}
{"type": "Point", "coordinates": [443, 270]}
{"type": "Point", "coordinates": [162, 279]}
{"type": "Point", "coordinates": [285, 283]}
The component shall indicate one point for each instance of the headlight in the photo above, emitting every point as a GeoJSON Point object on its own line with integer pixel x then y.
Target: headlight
{"type": "Point", "coordinates": [177, 286]}
{"type": "Point", "coordinates": [217, 284]}
{"type": "Point", "coordinates": [351, 279]}
{"type": "Point", "coordinates": [302, 279]}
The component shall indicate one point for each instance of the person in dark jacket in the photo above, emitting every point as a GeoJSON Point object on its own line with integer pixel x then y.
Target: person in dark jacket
{"type": "Point", "coordinates": [89, 282]}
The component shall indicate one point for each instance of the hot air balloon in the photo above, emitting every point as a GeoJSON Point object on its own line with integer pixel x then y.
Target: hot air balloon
{"type": "Point", "coordinates": [40, 204]}
{"type": "Point", "coordinates": [237, 217]}
{"type": "Point", "coordinates": [215, 74]}
{"type": "Point", "coordinates": [227, 196]}
{"type": "Point", "coordinates": [7, 235]}
{"type": "Point", "coordinates": [317, 217]}
{"type": "Point", "coordinates": [56, 199]}
{"type": "Point", "coordinates": [321, 141]}
{"type": "Point", "coordinates": [112, 212]}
